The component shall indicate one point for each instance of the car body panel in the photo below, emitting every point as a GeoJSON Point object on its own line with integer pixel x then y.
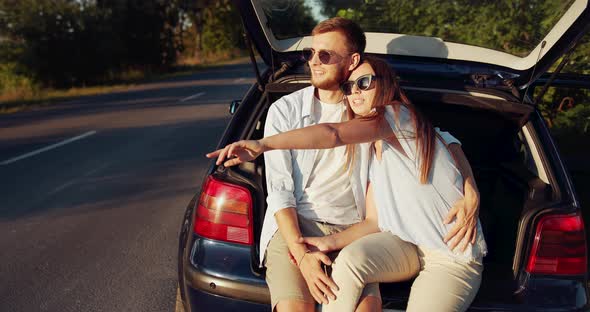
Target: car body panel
{"type": "Point", "coordinates": [224, 269]}
{"type": "Point", "coordinates": [204, 301]}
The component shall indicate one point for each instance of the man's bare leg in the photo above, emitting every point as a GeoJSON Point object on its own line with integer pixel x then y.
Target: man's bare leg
{"type": "Point", "coordinates": [294, 306]}
{"type": "Point", "coordinates": [369, 304]}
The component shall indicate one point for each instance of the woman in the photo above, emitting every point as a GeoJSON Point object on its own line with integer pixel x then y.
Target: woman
{"type": "Point", "coordinates": [413, 182]}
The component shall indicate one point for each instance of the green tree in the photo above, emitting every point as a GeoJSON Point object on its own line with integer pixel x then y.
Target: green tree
{"type": "Point", "coordinates": [287, 18]}
{"type": "Point", "coordinates": [222, 28]}
{"type": "Point", "coordinates": [568, 109]}
{"type": "Point", "coordinates": [216, 27]}
{"type": "Point", "coordinates": [74, 42]}
{"type": "Point", "coordinates": [513, 26]}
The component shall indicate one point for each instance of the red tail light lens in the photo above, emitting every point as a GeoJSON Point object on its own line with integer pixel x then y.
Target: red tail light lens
{"type": "Point", "coordinates": [559, 246]}
{"type": "Point", "coordinates": [224, 212]}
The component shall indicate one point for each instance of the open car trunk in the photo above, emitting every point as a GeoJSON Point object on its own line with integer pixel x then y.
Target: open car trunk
{"type": "Point", "coordinates": [493, 138]}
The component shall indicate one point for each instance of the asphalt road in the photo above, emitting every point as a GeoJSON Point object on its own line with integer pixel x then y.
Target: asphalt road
{"type": "Point", "coordinates": [92, 192]}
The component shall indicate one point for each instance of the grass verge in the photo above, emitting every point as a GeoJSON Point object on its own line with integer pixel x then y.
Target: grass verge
{"type": "Point", "coordinates": [46, 97]}
{"type": "Point", "coordinates": [19, 100]}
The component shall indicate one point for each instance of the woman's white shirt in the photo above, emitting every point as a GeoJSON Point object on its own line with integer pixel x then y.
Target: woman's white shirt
{"type": "Point", "coordinates": [413, 211]}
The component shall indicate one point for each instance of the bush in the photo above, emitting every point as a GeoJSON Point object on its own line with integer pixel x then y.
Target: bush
{"type": "Point", "coordinates": [64, 43]}
{"type": "Point", "coordinates": [15, 86]}
{"type": "Point", "coordinates": [566, 109]}
{"type": "Point", "coordinates": [575, 119]}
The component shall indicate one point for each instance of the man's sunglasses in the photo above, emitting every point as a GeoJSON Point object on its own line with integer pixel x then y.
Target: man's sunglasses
{"type": "Point", "coordinates": [364, 82]}
{"type": "Point", "coordinates": [326, 57]}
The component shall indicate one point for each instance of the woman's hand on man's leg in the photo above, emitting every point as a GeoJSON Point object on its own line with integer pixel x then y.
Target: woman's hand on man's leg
{"type": "Point", "coordinates": [319, 283]}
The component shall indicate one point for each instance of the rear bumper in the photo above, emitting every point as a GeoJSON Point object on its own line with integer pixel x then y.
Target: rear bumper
{"type": "Point", "coordinates": [206, 283]}
{"type": "Point", "coordinates": [217, 276]}
{"type": "Point", "coordinates": [200, 300]}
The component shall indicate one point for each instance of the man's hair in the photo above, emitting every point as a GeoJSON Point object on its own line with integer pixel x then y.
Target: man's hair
{"type": "Point", "coordinates": [355, 36]}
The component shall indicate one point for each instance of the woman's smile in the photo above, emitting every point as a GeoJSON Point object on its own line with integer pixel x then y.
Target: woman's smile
{"type": "Point", "coordinates": [357, 102]}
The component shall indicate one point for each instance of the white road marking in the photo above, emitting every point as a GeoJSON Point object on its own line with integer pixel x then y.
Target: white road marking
{"type": "Point", "coordinates": [239, 80]}
{"type": "Point", "coordinates": [97, 169]}
{"type": "Point", "coordinates": [76, 180]}
{"type": "Point", "coordinates": [63, 186]}
{"type": "Point", "coordinates": [194, 96]}
{"type": "Point", "coordinates": [41, 150]}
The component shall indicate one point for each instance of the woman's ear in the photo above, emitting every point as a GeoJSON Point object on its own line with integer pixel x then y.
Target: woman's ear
{"type": "Point", "coordinates": [355, 60]}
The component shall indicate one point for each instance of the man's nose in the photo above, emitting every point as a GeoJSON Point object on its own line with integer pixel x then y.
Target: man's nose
{"type": "Point", "coordinates": [315, 59]}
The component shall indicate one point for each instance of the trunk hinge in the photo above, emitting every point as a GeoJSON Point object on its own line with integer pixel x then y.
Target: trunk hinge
{"type": "Point", "coordinates": [557, 71]}
{"type": "Point", "coordinates": [564, 61]}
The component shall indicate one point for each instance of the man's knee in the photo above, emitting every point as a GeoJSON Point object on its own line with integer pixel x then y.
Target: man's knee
{"type": "Point", "coordinates": [293, 305]}
{"type": "Point", "coordinates": [369, 304]}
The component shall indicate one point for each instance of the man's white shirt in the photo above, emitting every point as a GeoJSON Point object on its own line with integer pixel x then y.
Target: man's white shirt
{"type": "Point", "coordinates": [288, 171]}
{"type": "Point", "coordinates": [328, 196]}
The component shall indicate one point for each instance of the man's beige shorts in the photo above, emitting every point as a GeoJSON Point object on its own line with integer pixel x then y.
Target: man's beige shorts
{"type": "Point", "coordinates": [284, 278]}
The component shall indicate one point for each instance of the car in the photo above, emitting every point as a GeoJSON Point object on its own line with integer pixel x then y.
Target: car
{"type": "Point", "coordinates": [479, 91]}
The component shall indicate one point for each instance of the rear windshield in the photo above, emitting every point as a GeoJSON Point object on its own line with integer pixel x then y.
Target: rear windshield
{"type": "Point", "coordinates": [513, 26]}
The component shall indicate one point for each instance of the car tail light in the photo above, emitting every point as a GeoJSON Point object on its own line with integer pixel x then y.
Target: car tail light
{"type": "Point", "coordinates": [559, 246]}
{"type": "Point", "coordinates": [224, 212]}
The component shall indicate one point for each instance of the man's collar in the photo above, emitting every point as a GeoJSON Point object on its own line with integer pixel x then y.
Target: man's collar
{"type": "Point", "coordinates": [308, 98]}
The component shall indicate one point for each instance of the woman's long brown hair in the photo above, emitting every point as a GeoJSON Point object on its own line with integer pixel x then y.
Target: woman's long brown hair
{"type": "Point", "coordinates": [388, 92]}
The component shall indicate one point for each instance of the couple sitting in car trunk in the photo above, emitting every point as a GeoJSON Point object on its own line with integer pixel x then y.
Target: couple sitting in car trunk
{"type": "Point", "coordinates": [362, 185]}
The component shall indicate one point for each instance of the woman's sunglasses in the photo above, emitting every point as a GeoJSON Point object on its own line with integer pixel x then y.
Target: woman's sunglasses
{"type": "Point", "coordinates": [326, 57]}
{"type": "Point", "coordinates": [364, 82]}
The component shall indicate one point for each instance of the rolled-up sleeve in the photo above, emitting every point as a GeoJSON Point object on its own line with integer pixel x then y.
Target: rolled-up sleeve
{"type": "Point", "coordinates": [278, 164]}
{"type": "Point", "coordinates": [447, 137]}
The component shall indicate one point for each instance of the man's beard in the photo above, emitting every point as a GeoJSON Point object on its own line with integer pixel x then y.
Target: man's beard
{"type": "Point", "coordinates": [329, 83]}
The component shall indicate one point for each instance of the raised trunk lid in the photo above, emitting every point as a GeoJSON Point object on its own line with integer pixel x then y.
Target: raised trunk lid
{"type": "Point", "coordinates": [521, 39]}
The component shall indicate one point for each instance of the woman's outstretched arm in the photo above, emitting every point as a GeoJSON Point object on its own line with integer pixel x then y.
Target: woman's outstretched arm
{"type": "Point", "coordinates": [330, 135]}
{"type": "Point", "coordinates": [321, 136]}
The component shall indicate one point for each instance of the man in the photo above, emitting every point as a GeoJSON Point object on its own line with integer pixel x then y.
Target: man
{"type": "Point", "coordinates": [310, 192]}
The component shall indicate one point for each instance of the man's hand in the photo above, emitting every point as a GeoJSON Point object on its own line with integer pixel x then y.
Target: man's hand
{"type": "Point", "coordinates": [465, 211]}
{"type": "Point", "coordinates": [319, 283]}
{"type": "Point", "coordinates": [239, 152]}
{"type": "Point", "coordinates": [324, 244]}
